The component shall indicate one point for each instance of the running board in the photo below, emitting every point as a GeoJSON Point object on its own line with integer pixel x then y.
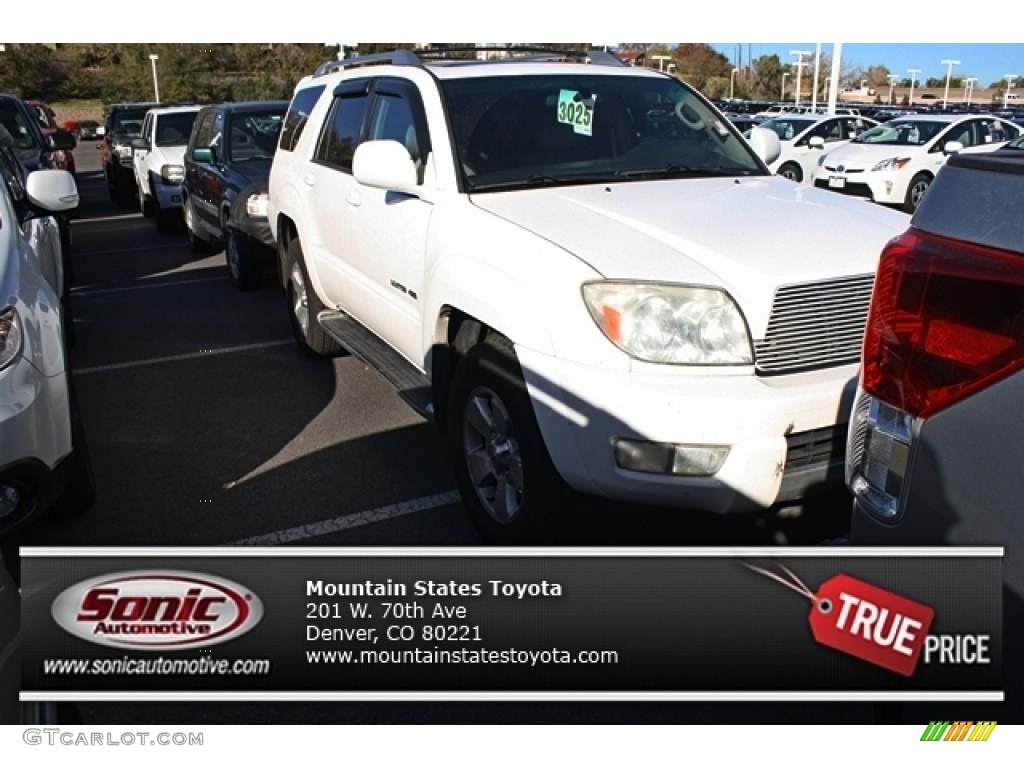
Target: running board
{"type": "Point", "coordinates": [411, 385]}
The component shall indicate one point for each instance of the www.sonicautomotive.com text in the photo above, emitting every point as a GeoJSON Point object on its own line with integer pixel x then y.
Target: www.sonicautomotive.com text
{"type": "Point", "coordinates": [156, 666]}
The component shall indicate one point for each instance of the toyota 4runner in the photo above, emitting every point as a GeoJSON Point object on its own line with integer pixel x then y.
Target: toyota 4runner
{"type": "Point", "coordinates": [582, 273]}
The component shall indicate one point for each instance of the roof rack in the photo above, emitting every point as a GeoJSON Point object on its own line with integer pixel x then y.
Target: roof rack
{"type": "Point", "coordinates": [420, 57]}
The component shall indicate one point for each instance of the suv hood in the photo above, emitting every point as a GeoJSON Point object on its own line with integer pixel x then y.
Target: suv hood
{"type": "Point", "coordinates": [748, 236]}
{"type": "Point", "coordinates": [170, 154]}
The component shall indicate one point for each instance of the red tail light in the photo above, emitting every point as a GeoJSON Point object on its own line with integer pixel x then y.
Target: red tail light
{"type": "Point", "coordinates": [946, 319]}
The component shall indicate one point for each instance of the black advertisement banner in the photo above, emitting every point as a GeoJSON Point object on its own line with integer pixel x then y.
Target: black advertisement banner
{"type": "Point", "coordinates": [828, 623]}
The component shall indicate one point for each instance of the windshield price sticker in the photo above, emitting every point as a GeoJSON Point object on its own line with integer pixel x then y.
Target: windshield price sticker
{"type": "Point", "coordinates": [576, 110]}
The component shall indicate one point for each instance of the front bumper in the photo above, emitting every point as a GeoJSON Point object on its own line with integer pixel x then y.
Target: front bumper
{"type": "Point", "coordinates": [167, 195]}
{"type": "Point", "coordinates": [888, 187]}
{"type": "Point", "coordinates": [781, 431]}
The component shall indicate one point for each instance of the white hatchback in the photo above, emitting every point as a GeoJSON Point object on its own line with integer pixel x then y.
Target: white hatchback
{"type": "Point", "coordinates": [895, 162]}
{"type": "Point", "coordinates": [804, 138]}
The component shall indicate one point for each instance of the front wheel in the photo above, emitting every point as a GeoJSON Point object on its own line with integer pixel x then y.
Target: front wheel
{"type": "Point", "coordinates": [245, 269]}
{"type": "Point", "coordinates": [510, 487]}
{"type": "Point", "coordinates": [305, 306]}
{"type": "Point", "coordinates": [915, 192]}
{"type": "Point", "coordinates": [791, 171]}
{"type": "Point", "coordinates": [196, 244]}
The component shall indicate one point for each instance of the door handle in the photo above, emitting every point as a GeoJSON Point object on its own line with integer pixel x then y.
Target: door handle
{"type": "Point", "coordinates": [354, 199]}
{"type": "Point", "coordinates": [310, 180]}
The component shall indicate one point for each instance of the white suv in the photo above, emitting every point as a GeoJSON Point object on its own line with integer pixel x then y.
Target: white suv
{"type": "Point", "coordinates": [582, 273]}
{"type": "Point", "coordinates": [158, 160]}
{"type": "Point", "coordinates": [43, 456]}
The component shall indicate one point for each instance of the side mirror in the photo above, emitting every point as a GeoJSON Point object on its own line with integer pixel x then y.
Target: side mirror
{"type": "Point", "coordinates": [816, 142]}
{"type": "Point", "coordinates": [952, 147]}
{"type": "Point", "coordinates": [52, 191]}
{"type": "Point", "coordinates": [765, 143]}
{"type": "Point", "coordinates": [203, 155]}
{"type": "Point", "coordinates": [140, 144]}
{"type": "Point", "coordinates": [385, 164]}
{"type": "Point", "coordinates": [61, 140]}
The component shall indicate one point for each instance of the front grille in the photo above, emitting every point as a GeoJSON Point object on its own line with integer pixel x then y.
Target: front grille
{"type": "Point", "coordinates": [815, 325]}
{"type": "Point", "coordinates": [855, 189]}
{"type": "Point", "coordinates": [815, 448]}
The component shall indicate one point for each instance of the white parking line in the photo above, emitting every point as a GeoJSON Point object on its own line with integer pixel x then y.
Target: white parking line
{"type": "Point", "coordinates": [355, 520]}
{"type": "Point", "coordinates": [162, 247]}
{"type": "Point", "coordinates": [187, 356]}
{"type": "Point", "coordinates": [98, 291]}
{"type": "Point", "coordinates": [120, 217]}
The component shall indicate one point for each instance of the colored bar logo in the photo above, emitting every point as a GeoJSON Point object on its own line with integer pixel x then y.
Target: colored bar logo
{"type": "Point", "coordinates": [960, 730]}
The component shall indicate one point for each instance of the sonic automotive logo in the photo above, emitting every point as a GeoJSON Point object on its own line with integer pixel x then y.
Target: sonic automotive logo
{"type": "Point", "coordinates": [157, 610]}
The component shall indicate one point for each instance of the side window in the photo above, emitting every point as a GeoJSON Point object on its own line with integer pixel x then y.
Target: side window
{"type": "Point", "coordinates": [298, 114]}
{"type": "Point", "coordinates": [216, 130]}
{"type": "Point", "coordinates": [342, 131]}
{"type": "Point", "coordinates": [204, 131]}
{"type": "Point", "coordinates": [13, 176]}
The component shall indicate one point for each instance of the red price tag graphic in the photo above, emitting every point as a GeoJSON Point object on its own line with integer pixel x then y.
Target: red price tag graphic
{"type": "Point", "coordinates": [862, 620]}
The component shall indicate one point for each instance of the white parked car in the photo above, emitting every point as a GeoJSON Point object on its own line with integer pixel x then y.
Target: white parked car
{"type": "Point", "coordinates": [158, 159]}
{"type": "Point", "coordinates": [43, 456]}
{"type": "Point", "coordinates": [895, 162]}
{"type": "Point", "coordinates": [804, 138]}
{"type": "Point", "coordinates": [581, 290]}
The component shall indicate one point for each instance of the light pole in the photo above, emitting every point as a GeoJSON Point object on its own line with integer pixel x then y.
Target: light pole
{"type": "Point", "coordinates": [1009, 87]}
{"type": "Point", "coordinates": [799, 69]}
{"type": "Point", "coordinates": [913, 75]}
{"type": "Point", "coordinates": [950, 63]}
{"type": "Point", "coordinates": [969, 89]}
{"type": "Point", "coordinates": [782, 96]}
{"type": "Point", "coordinates": [156, 85]}
{"type": "Point", "coordinates": [732, 82]}
{"type": "Point", "coordinates": [817, 64]}
{"type": "Point", "coordinates": [892, 84]}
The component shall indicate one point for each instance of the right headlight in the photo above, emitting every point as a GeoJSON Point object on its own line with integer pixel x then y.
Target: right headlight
{"type": "Point", "coordinates": [665, 323]}
{"type": "Point", "coordinates": [10, 336]}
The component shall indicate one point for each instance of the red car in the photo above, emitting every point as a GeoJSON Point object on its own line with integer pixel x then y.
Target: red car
{"type": "Point", "coordinates": [47, 118]}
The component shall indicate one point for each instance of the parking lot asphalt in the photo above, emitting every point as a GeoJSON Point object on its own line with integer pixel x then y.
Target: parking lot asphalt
{"type": "Point", "coordinates": [207, 426]}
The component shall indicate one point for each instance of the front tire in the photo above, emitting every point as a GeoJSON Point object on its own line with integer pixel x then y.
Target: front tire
{"type": "Point", "coordinates": [245, 269]}
{"type": "Point", "coordinates": [915, 192]}
{"type": "Point", "coordinates": [510, 488]}
{"type": "Point", "coordinates": [791, 171]}
{"type": "Point", "coordinates": [304, 307]}
{"type": "Point", "coordinates": [196, 244]}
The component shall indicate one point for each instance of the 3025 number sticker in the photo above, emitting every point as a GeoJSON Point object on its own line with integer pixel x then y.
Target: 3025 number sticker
{"type": "Point", "coordinates": [576, 110]}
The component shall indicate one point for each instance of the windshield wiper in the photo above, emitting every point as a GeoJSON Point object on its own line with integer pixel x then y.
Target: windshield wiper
{"type": "Point", "coordinates": [672, 170]}
{"type": "Point", "coordinates": [544, 180]}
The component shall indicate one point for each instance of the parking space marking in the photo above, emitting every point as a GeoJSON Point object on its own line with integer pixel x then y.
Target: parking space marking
{"type": "Point", "coordinates": [120, 217]}
{"type": "Point", "coordinates": [98, 291]}
{"type": "Point", "coordinates": [161, 247]}
{"type": "Point", "coordinates": [355, 520]}
{"type": "Point", "coordinates": [176, 358]}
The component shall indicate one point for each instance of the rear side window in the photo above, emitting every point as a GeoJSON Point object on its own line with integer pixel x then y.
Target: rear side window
{"type": "Point", "coordinates": [343, 128]}
{"type": "Point", "coordinates": [298, 113]}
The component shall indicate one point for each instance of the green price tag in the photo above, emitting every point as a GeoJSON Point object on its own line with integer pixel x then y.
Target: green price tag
{"type": "Point", "coordinates": [576, 110]}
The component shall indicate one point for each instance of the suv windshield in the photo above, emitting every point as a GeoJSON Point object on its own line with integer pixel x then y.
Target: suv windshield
{"type": "Point", "coordinates": [174, 128]}
{"type": "Point", "coordinates": [554, 129]}
{"type": "Point", "coordinates": [128, 120]}
{"type": "Point", "coordinates": [912, 133]}
{"type": "Point", "coordinates": [254, 135]}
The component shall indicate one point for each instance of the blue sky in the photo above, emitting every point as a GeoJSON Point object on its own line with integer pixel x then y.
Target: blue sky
{"type": "Point", "coordinates": [988, 62]}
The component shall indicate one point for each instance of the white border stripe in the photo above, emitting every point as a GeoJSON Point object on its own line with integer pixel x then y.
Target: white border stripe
{"type": "Point", "coordinates": [845, 696]}
{"type": "Point", "coordinates": [511, 551]}
{"type": "Point", "coordinates": [162, 247]}
{"type": "Point", "coordinates": [174, 358]}
{"type": "Point", "coordinates": [353, 520]}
